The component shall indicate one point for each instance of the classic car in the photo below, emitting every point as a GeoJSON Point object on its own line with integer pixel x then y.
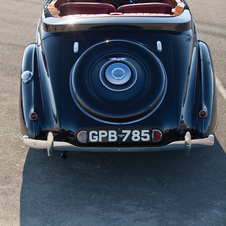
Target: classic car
{"type": "Point", "coordinates": [117, 75]}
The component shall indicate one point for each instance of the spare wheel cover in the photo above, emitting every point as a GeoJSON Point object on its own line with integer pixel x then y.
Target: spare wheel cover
{"type": "Point", "coordinates": [118, 82]}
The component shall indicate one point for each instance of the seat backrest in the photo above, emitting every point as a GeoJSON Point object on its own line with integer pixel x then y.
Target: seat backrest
{"type": "Point", "coordinates": [71, 8]}
{"type": "Point", "coordinates": [169, 2]}
{"type": "Point", "coordinates": [152, 7]}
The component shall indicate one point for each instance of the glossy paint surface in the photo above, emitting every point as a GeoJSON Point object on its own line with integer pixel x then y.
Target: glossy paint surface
{"type": "Point", "coordinates": [188, 67]}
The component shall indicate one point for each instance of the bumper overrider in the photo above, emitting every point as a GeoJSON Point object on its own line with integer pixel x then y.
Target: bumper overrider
{"type": "Point", "coordinates": [52, 145]}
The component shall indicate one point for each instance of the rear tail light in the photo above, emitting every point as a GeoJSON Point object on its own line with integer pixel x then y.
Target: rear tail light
{"type": "Point", "coordinates": [33, 115]}
{"type": "Point", "coordinates": [156, 135]}
{"type": "Point", "coordinates": [26, 76]}
{"type": "Point", "coordinates": [203, 113]}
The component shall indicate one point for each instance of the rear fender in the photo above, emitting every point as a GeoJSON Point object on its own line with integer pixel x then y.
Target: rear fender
{"type": "Point", "coordinates": [29, 89]}
{"type": "Point", "coordinates": [208, 97]}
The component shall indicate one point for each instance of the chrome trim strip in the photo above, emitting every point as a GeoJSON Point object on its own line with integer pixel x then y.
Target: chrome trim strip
{"type": "Point", "coordinates": [76, 47]}
{"type": "Point", "coordinates": [159, 46]}
{"type": "Point", "coordinates": [64, 146]}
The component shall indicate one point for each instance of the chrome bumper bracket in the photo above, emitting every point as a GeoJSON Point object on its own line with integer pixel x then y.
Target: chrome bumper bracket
{"type": "Point", "coordinates": [50, 139]}
{"type": "Point", "coordinates": [187, 139]}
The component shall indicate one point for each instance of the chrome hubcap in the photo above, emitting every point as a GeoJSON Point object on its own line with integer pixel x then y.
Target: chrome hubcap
{"type": "Point", "coordinates": [118, 74]}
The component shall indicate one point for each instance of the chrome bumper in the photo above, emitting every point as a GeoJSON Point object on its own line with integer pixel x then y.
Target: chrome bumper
{"type": "Point", "coordinates": [51, 145]}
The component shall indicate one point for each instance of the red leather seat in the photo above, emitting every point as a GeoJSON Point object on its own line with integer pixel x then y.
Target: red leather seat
{"type": "Point", "coordinates": [168, 2]}
{"type": "Point", "coordinates": [152, 7]}
{"type": "Point", "coordinates": [70, 8]}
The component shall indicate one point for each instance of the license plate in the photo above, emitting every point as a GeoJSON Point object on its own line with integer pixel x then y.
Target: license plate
{"type": "Point", "coordinates": [119, 135]}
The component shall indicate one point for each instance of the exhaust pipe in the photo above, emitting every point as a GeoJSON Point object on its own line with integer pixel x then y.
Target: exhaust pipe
{"type": "Point", "coordinates": [64, 154]}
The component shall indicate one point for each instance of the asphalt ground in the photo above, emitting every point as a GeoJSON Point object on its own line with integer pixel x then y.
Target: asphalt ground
{"type": "Point", "coordinates": [90, 189]}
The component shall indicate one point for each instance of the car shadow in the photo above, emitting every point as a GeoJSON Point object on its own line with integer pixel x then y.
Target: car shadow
{"type": "Point", "coordinates": [154, 188]}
